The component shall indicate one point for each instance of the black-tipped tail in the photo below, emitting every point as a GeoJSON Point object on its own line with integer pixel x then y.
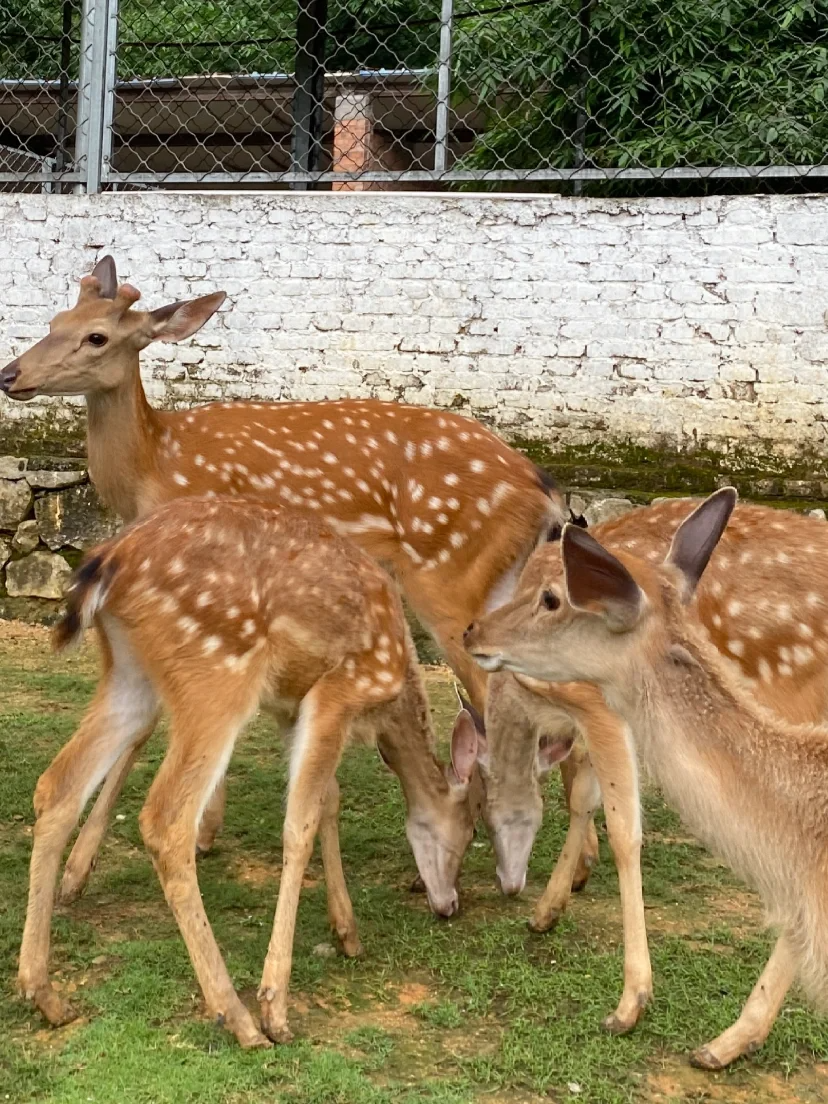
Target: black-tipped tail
{"type": "Point", "coordinates": [85, 596]}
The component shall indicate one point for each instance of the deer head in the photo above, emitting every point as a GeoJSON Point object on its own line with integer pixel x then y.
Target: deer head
{"type": "Point", "coordinates": [601, 614]}
{"type": "Point", "coordinates": [94, 346]}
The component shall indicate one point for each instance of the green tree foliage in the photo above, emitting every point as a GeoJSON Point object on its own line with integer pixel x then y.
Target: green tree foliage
{"type": "Point", "coordinates": [648, 82]}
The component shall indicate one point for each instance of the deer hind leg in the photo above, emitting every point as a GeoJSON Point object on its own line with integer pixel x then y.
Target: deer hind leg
{"type": "Point", "coordinates": [340, 909]}
{"type": "Point", "coordinates": [317, 747]}
{"type": "Point", "coordinates": [123, 710]}
{"type": "Point", "coordinates": [758, 1015]}
{"type": "Point", "coordinates": [589, 851]}
{"type": "Point", "coordinates": [84, 854]}
{"type": "Point", "coordinates": [583, 798]}
{"type": "Point", "coordinates": [195, 763]}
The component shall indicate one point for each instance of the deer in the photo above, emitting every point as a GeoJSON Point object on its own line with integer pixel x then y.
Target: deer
{"type": "Point", "coordinates": [212, 608]}
{"type": "Point", "coordinates": [447, 506]}
{"type": "Point", "coordinates": [750, 636]}
{"type": "Point", "coordinates": [627, 653]}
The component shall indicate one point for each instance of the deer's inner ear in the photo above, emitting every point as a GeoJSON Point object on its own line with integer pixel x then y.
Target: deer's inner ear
{"type": "Point", "coordinates": [597, 582]}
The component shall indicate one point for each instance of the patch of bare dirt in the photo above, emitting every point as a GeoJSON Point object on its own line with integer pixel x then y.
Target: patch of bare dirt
{"type": "Point", "coordinates": [679, 1083]}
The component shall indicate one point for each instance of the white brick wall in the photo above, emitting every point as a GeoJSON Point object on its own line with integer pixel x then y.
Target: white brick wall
{"type": "Point", "coordinates": [664, 321]}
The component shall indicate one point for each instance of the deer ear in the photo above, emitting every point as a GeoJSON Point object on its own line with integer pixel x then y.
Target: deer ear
{"type": "Point", "coordinates": [552, 751]}
{"type": "Point", "coordinates": [180, 320]}
{"type": "Point", "coordinates": [697, 536]}
{"type": "Point", "coordinates": [106, 275]}
{"type": "Point", "coordinates": [464, 747]}
{"type": "Point", "coordinates": [597, 582]}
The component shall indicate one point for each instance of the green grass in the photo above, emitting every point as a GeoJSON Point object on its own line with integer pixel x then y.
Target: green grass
{"type": "Point", "coordinates": [477, 1009]}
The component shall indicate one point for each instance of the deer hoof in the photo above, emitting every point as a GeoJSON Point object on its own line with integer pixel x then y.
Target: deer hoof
{"type": "Point", "coordinates": [704, 1059]}
{"type": "Point", "coordinates": [540, 925]}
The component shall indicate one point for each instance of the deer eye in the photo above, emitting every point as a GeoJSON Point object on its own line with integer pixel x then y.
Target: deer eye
{"type": "Point", "coordinates": [550, 600]}
{"type": "Point", "coordinates": [97, 339]}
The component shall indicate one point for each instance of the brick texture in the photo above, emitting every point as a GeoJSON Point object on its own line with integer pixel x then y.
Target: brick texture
{"type": "Point", "coordinates": [665, 322]}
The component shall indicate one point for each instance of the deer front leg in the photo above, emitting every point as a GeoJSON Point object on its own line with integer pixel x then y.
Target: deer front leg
{"type": "Point", "coordinates": [758, 1015]}
{"type": "Point", "coordinates": [613, 758]}
{"type": "Point", "coordinates": [120, 714]}
{"type": "Point", "coordinates": [589, 850]}
{"type": "Point", "coordinates": [584, 798]}
{"type": "Point", "coordinates": [317, 747]}
{"type": "Point", "coordinates": [340, 909]}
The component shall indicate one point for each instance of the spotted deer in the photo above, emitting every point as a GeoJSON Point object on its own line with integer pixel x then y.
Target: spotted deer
{"type": "Point", "coordinates": [632, 660]}
{"type": "Point", "coordinates": [449, 507]}
{"type": "Point", "coordinates": [211, 609]}
{"type": "Point", "coordinates": [776, 642]}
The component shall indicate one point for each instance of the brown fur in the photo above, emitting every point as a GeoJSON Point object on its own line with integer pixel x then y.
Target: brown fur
{"type": "Point", "coordinates": [448, 506]}
{"type": "Point", "coordinates": [212, 608]}
{"type": "Point", "coordinates": [750, 784]}
{"type": "Point", "coordinates": [755, 571]}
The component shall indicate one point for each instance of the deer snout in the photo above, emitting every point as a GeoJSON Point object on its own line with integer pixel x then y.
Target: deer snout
{"type": "Point", "coordinates": [511, 883]}
{"type": "Point", "coordinates": [9, 374]}
{"type": "Point", "coordinates": [469, 630]}
{"type": "Point", "coordinates": [445, 906]}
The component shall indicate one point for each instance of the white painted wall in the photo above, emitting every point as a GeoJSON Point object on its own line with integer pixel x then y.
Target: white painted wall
{"type": "Point", "coordinates": [663, 321]}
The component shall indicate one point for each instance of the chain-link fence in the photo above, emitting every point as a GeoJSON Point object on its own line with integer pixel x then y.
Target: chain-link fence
{"type": "Point", "coordinates": [410, 93]}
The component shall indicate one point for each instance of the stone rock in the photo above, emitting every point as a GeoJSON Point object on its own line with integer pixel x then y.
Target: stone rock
{"type": "Point", "coordinates": [577, 504]}
{"type": "Point", "coordinates": [12, 467]}
{"type": "Point", "coordinates": [15, 500]}
{"type": "Point", "coordinates": [5, 552]}
{"type": "Point", "coordinates": [820, 514]}
{"type": "Point", "coordinates": [54, 480]}
{"type": "Point", "coordinates": [75, 517]}
{"type": "Point", "coordinates": [27, 537]}
{"type": "Point", "coordinates": [324, 950]}
{"type": "Point", "coordinates": [606, 509]}
{"type": "Point", "coordinates": [40, 575]}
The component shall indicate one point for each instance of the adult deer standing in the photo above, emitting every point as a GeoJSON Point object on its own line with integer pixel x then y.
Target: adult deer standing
{"type": "Point", "coordinates": [212, 609]}
{"type": "Point", "coordinates": [754, 787]}
{"type": "Point", "coordinates": [445, 503]}
{"type": "Point", "coordinates": [775, 643]}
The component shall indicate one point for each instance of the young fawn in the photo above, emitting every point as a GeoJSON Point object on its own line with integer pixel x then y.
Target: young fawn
{"type": "Point", "coordinates": [213, 608]}
{"type": "Point", "coordinates": [778, 644]}
{"type": "Point", "coordinates": [637, 670]}
{"type": "Point", "coordinates": [452, 509]}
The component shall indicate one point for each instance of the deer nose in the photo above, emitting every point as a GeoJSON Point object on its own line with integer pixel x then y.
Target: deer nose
{"type": "Point", "coordinates": [469, 631]}
{"type": "Point", "coordinates": [9, 374]}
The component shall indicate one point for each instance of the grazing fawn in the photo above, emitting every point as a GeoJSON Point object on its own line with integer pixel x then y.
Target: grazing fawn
{"type": "Point", "coordinates": [777, 644]}
{"type": "Point", "coordinates": [637, 670]}
{"type": "Point", "coordinates": [212, 608]}
{"type": "Point", "coordinates": [452, 509]}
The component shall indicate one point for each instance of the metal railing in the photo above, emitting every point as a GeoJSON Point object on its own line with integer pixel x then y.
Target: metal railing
{"type": "Point", "coordinates": [366, 94]}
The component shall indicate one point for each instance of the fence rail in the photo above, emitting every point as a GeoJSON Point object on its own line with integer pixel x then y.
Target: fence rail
{"type": "Point", "coordinates": [373, 94]}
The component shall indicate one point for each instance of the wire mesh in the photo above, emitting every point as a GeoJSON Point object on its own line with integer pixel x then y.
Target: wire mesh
{"type": "Point", "coordinates": [411, 93]}
{"type": "Point", "coordinates": [39, 59]}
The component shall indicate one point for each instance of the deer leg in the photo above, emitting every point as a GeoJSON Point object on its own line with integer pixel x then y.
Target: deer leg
{"type": "Point", "coordinates": [588, 847]}
{"type": "Point", "coordinates": [123, 709]}
{"type": "Point", "coordinates": [84, 855]}
{"type": "Point", "coordinates": [212, 819]}
{"type": "Point", "coordinates": [317, 747]}
{"type": "Point", "coordinates": [340, 909]}
{"type": "Point", "coordinates": [613, 759]}
{"type": "Point", "coordinates": [758, 1015]}
{"type": "Point", "coordinates": [195, 763]}
{"type": "Point", "coordinates": [583, 798]}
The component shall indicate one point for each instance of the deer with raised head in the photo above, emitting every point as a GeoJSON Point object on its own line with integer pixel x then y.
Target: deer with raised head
{"type": "Point", "coordinates": [211, 609]}
{"type": "Point", "coordinates": [778, 651]}
{"type": "Point", "coordinates": [448, 506]}
{"type": "Point", "coordinates": [633, 663]}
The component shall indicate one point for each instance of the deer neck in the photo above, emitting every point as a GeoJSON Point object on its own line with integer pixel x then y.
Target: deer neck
{"type": "Point", "coordinates": [406, 740]}
{"type": "Point", "coordinates": [122, 443]}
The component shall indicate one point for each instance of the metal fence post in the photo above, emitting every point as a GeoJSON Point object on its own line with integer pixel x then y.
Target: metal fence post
{"type": "Point", "coordinates": [92, 92]}
{"type": "Point", "coordinates": [441, 125]}
{"type": "Point", "coordinates": [309, 93]}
